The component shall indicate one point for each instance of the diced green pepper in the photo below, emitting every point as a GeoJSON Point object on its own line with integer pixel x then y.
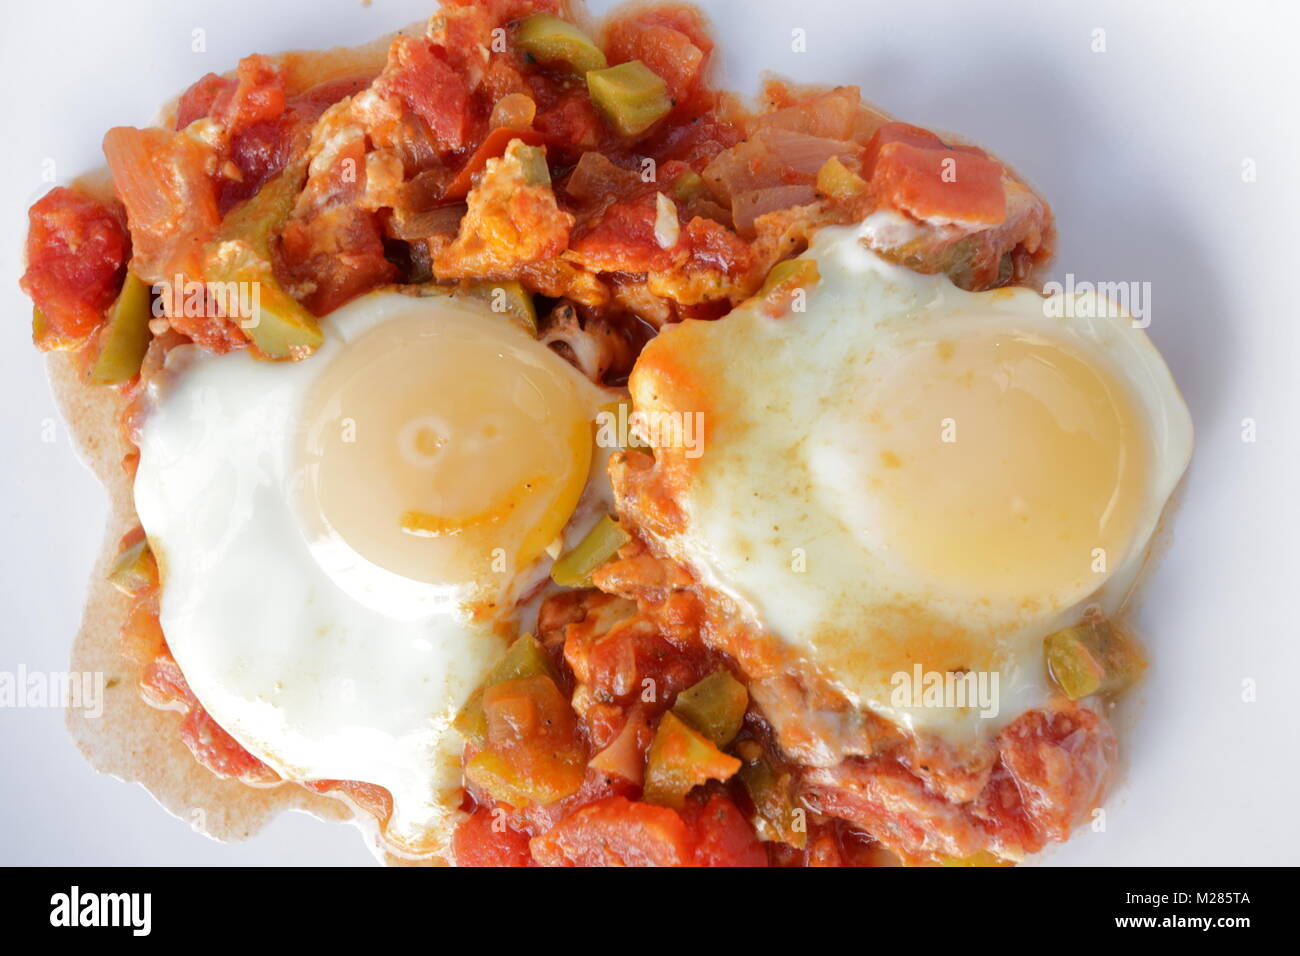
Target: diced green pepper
{"type": "Point", "coordinates": [679, 760]}
{"type": "Point", "coordinates": [575, 568]}
{"type": "Point", "coordinates": [550, 40]}
{"type": "Point", "coordinates": [689, 185]}
{"type": "Point", "coordinates": [256, 220]}
{"type": "Point", "coordinates": [789, 275]}
{"type": "Point", "coordinates": [495, 774]}
{"type": "Point", "coordinates": [281, 327]}
{"type": "Point", "coordinates": [531, 161]}
{"type": "Point", "coordinates": [508, 298]}
{"type": "Point", "coordinates": [533, 752]}
{"type": "Point", "coordinates": [619, 421]}
{"type": "Point", "coordinates": [524, 658]}
{"type": "Point", "coordinates": [837, 181]}
{"type": "Point", "coordinates": [714, 706]}
{"type": "Point", "coordinates": [1091, 658]}
{"type": "Point", "coordinates": [630, 96]}
{"type": "Point", "coordinates": [135, 569]}
{"type": "Point", "coordinates": [125, 337]}
{"type": "Point", "coordinates": [773, 803]}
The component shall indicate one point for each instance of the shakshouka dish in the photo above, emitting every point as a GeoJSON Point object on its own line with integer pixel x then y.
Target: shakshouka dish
{"type": "Point", "coordinates": [561, 462]}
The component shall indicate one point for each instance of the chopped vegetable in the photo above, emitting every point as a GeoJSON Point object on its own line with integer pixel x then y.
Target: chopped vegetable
{"type": "Point", "coordinates": [625, 755]}
{"type": "Point", "coordinates": [40, 326]}
{"type": "Point", "coordinates": [508, 298]}
{"type": "Point", "coordinates": [621, 434]}
{"type": "Point", "coordinates": [493, 146]}
{"type": "Point", "coordinates": [786, 278]}
{"type": "Point", "coordinates": [837, 181]}
{"type": "Point", "coordinates": [688, 186]}
{"type": "Point", "coordinates": [532, 161]}
{"type": "Point", "coordinates": [525, 658]}
{"type": "Point", "coordinates": [281, 327]}
{"type": "Point", "coordinates": [681, 759]}
{"type": "Point", "coordinates": [616, 831]}
{"type": "Point", "coordinates": [629, 96]}
{"type": "Point", "coordinates": [125, 338]}
{"type": "Point", "coordinates": [550, 40]}
{"type": "Point", "coordinates": [575, 568]}
{"type": "Point", "coordinates": [773, 801]}
{"type": "Point", "coordinates": [982, 858]}
{"type": "Point", "coordinates": [135, 569]}
{"type": "Point", "coordinates": [533, 752]}
{"type": "Point", "coordinates": [1091, 658]}
{"type": "Point", "coordinates": [714, 706]}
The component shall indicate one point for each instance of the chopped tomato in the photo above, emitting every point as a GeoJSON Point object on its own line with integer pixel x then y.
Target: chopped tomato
{"type": "Point", "coordinates": [197, 102]}
{"type": "Point", "coordinates": [616, 832]}
{"type": "Point", "coordinates": [77, 249]}
{"type": "Point", "coordinates": [664, 39]}
{"type": "Point", "coordinates": [430, 88]}
{"type": "Point", "coordinates": [630, 660]}
{"type": "Point", "coordinates": [1061, 762]}
{"type": "Point", "coordinates": [623, 239]}
{"type": "Point", "coordinates": [914, 171]}
{"type": "Point", "coordinates": [566, 119]}
{"type": "Point", "coordinates": [483, 839]}
{"type": "Point", "coordinates": [723, 837]}
{"type": "Point", "coordinates": [259, 151]}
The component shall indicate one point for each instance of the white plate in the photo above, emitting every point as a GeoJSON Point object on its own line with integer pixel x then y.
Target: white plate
{"type": "Point", "coordinates": [1145, 149]}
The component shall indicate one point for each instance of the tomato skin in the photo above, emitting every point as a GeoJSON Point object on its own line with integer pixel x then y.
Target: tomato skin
{"type": "Point", "coordinates": [77, 248]}
{"type": "Point", "coordinates": [476, 843]}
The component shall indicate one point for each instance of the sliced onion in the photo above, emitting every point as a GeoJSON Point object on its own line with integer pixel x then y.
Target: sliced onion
{"type": "Point", "coordinates": [442, 221]}
{"type": "Point", "coordinates": [831, 114]}
{"type": "Point", "coordinates": [596, 177]}
{"type": "Point", "coordinates": [803, 153]}
{"type": "Point", "coordinates": [748, 206]}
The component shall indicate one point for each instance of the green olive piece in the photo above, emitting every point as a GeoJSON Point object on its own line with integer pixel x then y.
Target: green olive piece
{"type": "Point", "coordinates": [552, 41]}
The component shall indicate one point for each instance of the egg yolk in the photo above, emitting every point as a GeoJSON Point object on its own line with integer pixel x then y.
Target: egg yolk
{"type": "Point", "coordinates": [1007, 465]}
{"type": "Point", "coordinates": [446, 447]}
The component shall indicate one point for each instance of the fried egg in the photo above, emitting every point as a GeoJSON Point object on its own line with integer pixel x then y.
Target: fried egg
{"type": "Point", "coordinates": [899, 475]}
{"type": "Point", "coordinates": [343, 541]}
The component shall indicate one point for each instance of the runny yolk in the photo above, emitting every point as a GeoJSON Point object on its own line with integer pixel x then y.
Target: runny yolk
{"type": "Point", "coordinates": [447, 448]}
{"type": "Point", "coordinates": [1007, 464]}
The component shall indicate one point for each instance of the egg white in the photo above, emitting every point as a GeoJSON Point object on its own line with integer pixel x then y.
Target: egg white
{"type": "Point", "coordinates": [320, 663]}
{"type": "Point", "coordinates": [775, 513]}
